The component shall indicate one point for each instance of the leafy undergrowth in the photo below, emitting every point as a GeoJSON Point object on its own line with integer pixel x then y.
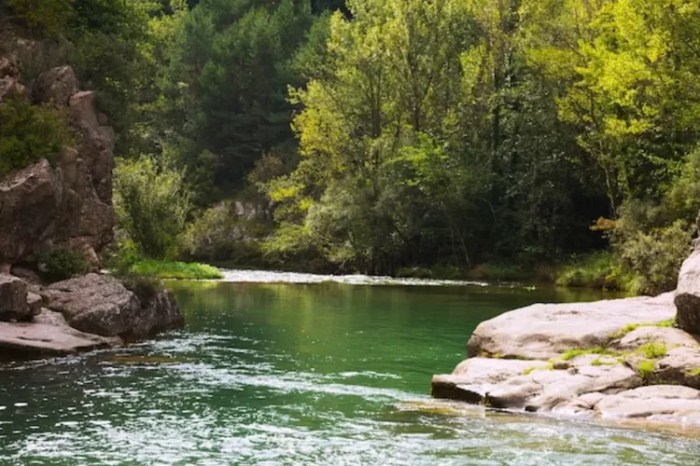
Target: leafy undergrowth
{"type": "Point", "coordinates": [174, 270]}
{"type": "Point", "coordinates": [597, 270]}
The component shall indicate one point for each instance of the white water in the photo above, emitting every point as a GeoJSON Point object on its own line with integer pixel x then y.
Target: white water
{"type": "Point", "coordinates": [261, 276]}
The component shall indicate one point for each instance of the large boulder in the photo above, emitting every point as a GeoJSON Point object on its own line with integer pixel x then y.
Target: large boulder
{"type": "Point", "coordinates": [688, 294]}
{"type": "Point", "coordinates": [100, 304]}
{"type": "Point", "coordinates": [13, 299]}
{"type": "Point", "coordinates": [543, 331]}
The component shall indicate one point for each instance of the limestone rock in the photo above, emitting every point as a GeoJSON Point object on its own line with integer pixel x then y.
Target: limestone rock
{"type": "Point", "coordinates": [56, 86]}
{"type": "Point", "coordinates": [13, 299]}
{"type": "Point", "coordinates": [543, 331]}
{"type": "Point", "coordinates": [28, 202]}
{"type": "Point", "coordinates": [687, 298]}
{"type": "Point", "coordinates": [100, 304]}
{"type": "Point", "coordinates": [655, 402]}
{"type": "Point", "coordinates": [49, 335]}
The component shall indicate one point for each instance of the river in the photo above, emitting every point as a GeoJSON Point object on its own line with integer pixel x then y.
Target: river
{"type": "Point", "coordinates": [307, 372]}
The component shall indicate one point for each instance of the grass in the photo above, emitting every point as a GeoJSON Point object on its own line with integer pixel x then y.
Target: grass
{"type": "Point", "coordinates": [653, 350]}
{"type": "Point", "coordinates": [597, 270]}
{"type": "Point", "coordinates": [646, 368]}
{"type": "Point", "coordinates": [548, 367]}
{"type": "Point", "coordinates": [174, 270]}
{"type": "Point", "coordinates": [694, 372]}
{"type": "Point", "coordinates": [631, 327]}
{"type": "Point", "coordinates": [576, 352]}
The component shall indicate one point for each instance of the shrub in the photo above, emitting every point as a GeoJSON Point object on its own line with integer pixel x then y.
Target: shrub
{"type": "Point", "coordinates": [221, 233]}
{"type": "Point", "coordinates": [654, 256]}
{"type": "Point", "coordinates": [62, 263]}
{"type": "Point", "coordinates": [151, 205]}
{"type": "Point", "coordinates": [29, 133]}
{"type": "Point", "coordinates": [598, 270]}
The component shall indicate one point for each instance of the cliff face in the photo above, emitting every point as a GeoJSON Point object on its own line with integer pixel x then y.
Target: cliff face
{"type": "Point", "coordinates": [43, 207]}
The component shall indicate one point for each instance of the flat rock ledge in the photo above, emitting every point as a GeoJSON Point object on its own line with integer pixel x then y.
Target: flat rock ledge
{"type": "Point", "coordinates": [81, 314]}
{"type": "Point", "coordinates": [615, 360]}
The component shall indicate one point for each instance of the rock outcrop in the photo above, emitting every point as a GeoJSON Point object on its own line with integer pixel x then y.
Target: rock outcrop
{"type": "Point", "coordinates": [615, 360]}
{"type": "Point", "coordinates": [100, 304]}
{"type": "Point", "coordinates": [688, 294]}
{"type": "Point", "coordinates": [79, 314]}
{"type": "Point", "coordinates": [68, 205]}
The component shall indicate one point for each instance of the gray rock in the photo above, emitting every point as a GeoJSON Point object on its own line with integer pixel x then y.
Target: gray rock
{"type": "Point", "coordinates": [665, 403]}
{"type": "Point", "coordinates": [13, 299]}
{"type": "Point", "coordinates": [543, 331]}
{"type": "Point", "coordinates": [100, 304]}
{"type": "Point", "coordinates": [48, 335]}
{"type": "Point", "coordinates": [56, 86]}
{"type": "Point", "coordinates": [687, 298]}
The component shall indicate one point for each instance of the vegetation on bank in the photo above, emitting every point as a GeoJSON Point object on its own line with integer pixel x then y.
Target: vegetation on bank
{"type": "Point", "coordinates": [393, 137]}
{"type": "Point", "coordinates": [174, 270]}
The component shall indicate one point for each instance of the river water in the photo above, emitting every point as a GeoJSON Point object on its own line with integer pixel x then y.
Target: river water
{"type": "Point", "coordinates": [308, 372]}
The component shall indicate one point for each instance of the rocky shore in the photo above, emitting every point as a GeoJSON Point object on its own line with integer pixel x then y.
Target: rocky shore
{"type": "Point", "coordinates": [65, 205]}
{"type": "Point", "coordinates": [80, 314]}
{"type": "Point", "coordinates": [626, 359]}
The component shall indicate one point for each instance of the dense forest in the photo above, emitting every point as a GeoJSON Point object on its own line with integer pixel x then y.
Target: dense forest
{"type": "Point", "coordinates": [392, 136]}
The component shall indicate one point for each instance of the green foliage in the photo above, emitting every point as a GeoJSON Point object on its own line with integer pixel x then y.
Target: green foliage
{"type": "Point", "coordinates": [576, 352]}
{"type": "Point", "coordinates": [598, 270]}
{"type": "Point", "coordinates": [146, 288]}
{"type": "Point", "coordinates": [151, 205]}
{"type": "Point", "coordinates": [221, 233]}
{"type": "Point", "coordinates": [653, 350]}
{"type": "Point", "coordinates": [47, 16]}
{"type": "Point", "coordinates": [631, 327]}
{"type": "Point", "coordinates": [29, 133]}
{"type": "Point", "coordinates": [62, 263]}
{"type": "Point", "coordinates": [174, 270]}
{"type": "Point", "coordinates": [645, 369]}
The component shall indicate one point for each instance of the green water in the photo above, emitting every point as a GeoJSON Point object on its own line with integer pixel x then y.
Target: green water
{"type": "Point", "coordinates": [326, 374]}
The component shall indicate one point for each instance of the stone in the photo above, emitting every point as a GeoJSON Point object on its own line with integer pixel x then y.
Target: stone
{"type": "Point", "coordinates": [543, 331]}
{"type": "Point", "coordinates": [665, 403]}
{"type": "Point", "coordinates": [13, 299]}
{"type": "Point", "coordinates": [100, 304]}
{"type": "Point", "coordinates": [48, 336]}
{"type": "Point", "coordinates": [687, 297]}
{"type": "Point", "coordinates": [28, 204]}
{"type": "Point", "coordinates": [34, 302]}
{"type": "Point", "coordinates": [56, 86]}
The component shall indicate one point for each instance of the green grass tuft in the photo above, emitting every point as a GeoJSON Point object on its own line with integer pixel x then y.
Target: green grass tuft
{"type": "Point", "coordinates": [174, 270]}
{"type": "Point", "coordinates": [631, 327]}
{"type": "Point", "coordinates": [653, 350]}
{"type": "Point", "coordinates": [646, 368]}
{"type": "Point", "coordinates": [694, 372]}
{"type": "Point", "coordinates": [576, 352]}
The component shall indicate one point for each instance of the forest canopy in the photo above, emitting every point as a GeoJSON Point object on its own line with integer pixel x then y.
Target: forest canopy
{"type": "Point", "coordinates": [380, 135]}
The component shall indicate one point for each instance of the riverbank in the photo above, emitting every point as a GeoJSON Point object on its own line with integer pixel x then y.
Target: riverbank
{"type": "Point", "coordinates": [80, 314]}
{"type": "Point", "coordinates": [634, 358]}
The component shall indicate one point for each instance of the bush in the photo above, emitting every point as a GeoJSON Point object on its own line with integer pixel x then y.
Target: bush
{"type": "Point", "coordinates": [62, 263]}
{"type": "Point", "coordinates": [151, 205]}
{"type": "Point", "coordinates": [29, 133]}
{"type": "Point", "coordinates": [655, 257]}
{"type": "Point", "coordinates": [598, 270]}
